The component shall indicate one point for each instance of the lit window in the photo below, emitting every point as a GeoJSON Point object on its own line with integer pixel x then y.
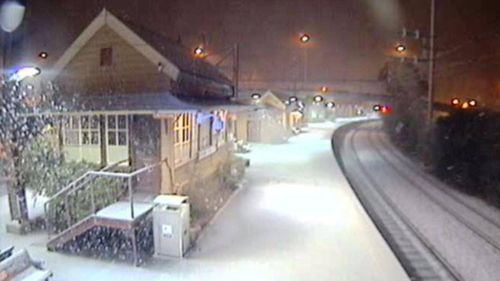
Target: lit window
{"type": "Point", "coordinates": [183, 137]}
{"type": "Point", "coordinates": [106, 56]}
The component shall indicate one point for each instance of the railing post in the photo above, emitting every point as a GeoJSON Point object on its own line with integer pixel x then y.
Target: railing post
{"type": "Point", "coordinates": [66, 208]}
{"type": "Point", "coordinates": [131, 197]}
{"type": "Point", "coordinates": [92, 198]}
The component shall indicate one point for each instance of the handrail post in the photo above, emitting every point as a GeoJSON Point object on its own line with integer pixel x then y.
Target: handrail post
{"type": "Point", "coordinates": [92, 198]}
{"type": "Point", "coordinates": [66, 207]}
{"type": "Point", "coordinates": [131, 197]}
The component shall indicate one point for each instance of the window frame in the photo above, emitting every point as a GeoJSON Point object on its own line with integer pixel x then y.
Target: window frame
{"type": "Point", "coordinates": [183, 137]}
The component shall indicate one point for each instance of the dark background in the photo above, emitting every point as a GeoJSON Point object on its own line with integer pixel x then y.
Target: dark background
{"type": "Point", "coordinates": [351, 39]}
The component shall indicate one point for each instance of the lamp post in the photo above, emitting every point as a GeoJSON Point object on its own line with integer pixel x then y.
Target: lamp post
{"type": "Point", "coordinates": [304, 39]}
{"type": "Point", "coordinates": [201, 53]}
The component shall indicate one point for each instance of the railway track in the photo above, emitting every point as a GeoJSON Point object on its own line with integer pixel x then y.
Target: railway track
{"type": "Point", "coordinates": [442, 199]}
{"type": "Point", "coordinates": [417, 255]}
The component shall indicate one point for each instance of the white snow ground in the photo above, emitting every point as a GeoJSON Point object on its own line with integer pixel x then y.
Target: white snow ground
{"type": "Point", "coordinates": [295, 218]}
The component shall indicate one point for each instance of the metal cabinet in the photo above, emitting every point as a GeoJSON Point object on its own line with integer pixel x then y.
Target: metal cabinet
{"type": "Point", "coordinates": [171, 221]}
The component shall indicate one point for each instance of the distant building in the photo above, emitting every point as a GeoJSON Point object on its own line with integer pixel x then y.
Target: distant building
{"type": "Point", "coordinates": [272, 121]}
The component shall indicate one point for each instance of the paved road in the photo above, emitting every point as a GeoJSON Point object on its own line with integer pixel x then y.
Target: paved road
{"type": "Point", "coordinates": [296, 218]}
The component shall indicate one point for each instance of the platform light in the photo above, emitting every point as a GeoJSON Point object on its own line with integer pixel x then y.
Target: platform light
{"type": "Point", "coordinates": [256, 96]}
{"type": "Point", "coordinates": [318, 98]}
{"type": "Point", "coordinates": [455, 101]}
{"type": "Point", "coordinates": [24, 73]}
{"type": "Point", "coordinates": [305, 38]}
{"type": "Point", "coordinates": [43, 55]}
{"type": "Point", "coordinates": [400, 48]}
{"type": "Point", "coordinates": [199, 52]}
{"type": "Point", "coordinates": [472, 103]}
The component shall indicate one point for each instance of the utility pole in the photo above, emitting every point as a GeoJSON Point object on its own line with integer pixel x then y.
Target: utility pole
{"type": "Point", "coordinates": [430, 93]}
{"type": "Point", "coordinates": [236, 69]}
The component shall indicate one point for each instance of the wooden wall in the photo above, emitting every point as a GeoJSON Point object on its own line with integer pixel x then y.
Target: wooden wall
{"type": "Point", "coordinates": [130, 71]}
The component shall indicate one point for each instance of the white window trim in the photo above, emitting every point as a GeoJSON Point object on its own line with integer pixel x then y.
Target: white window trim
{"type": "Point", "coordinates": [187, 151]}
{"type": "Point", "coordinates": [116, 131]}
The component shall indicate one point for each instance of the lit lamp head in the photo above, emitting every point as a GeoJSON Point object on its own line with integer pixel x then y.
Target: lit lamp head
{"type": "Point", "coordinates": [199, 52]}
{"type": "Point", "coordinates": [25, 72]}
{"type": "Point", "coordinates": [465, 105]}
{"type": "Point", "coordinates": [304, 38]}
{"type": "Point", "coordinates": [400, 48]}
{"type": "Point", "coordinates": [318, 99]}
{"type": "Point", "coordinates": [43, 55]}
{"type": "Point", "coordinates": [377, 108]}
{"type": "Point", "coordinates": [330, 104]}
{"type": "Point", "coordinates": [324, 89]}
{"type": "Point", "coordinates": [292, 99]}
{"type": "Point", "coordinates": [256, 96]}
{"type": "Point", "coordinates": [455, 101]}
{"type": "Point", "coordinates": [472, 103]}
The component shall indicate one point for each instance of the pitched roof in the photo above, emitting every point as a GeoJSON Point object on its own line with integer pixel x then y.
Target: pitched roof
{"type": "Point", "coordinates": [162, 102]}
{"type": "Point", "coordinates": [176, 59]}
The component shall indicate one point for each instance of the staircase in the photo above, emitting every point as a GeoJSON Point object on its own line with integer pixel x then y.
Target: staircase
{"type": "Point", "coordinates": [98, 199]}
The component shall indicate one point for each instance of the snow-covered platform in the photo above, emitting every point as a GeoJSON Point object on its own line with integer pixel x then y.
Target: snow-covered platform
{"type": "Point", "coordinates": [295, 218]}
{"type": "Point", "coordinates": [122, 211]}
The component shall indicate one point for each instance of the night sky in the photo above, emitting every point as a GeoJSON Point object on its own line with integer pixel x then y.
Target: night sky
{"type": "Point", "coordinates": [350, 39]}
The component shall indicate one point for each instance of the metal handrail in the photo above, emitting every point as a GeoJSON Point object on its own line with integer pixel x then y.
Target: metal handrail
{"type": "Point", "coordinates": [72, 185]}
{"type": "Point", "coordinates": [104, 173]}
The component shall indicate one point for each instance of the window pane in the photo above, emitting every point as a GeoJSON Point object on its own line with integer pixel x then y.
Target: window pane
{"type": "Point", "coordinates": [122, 138]}
{"type": "Point", "coordinates": [112, 122]}
{"type": "Point", "coordinates": [111, 138]}
{"type": "Point", "coordinates": [85, 138]}
{"type": "Point", "coordinates": [85, 122]}
{"type": "Point", "coordinates": [94, 137]}
{"type": "Point", "coordinates": [94, 122]}
{"type": "Point", "coordinates": [75, 122]}
{"type": "Point", "coordinates": [71, 137]}
{"type": "Point", "coordinates": [122, 122]}
{"type": "Point", "coordinates": [66, 122]}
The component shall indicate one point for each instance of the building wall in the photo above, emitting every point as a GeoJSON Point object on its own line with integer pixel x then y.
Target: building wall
{"type": "Point", "coordinates": [242, 128]}
{"type": "Point", "coordinates": [130, 71]}
{"type": "Point", "coordinates": [145, 150]}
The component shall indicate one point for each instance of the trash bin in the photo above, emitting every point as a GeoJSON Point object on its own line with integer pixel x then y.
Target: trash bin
{"type": "Point", "coordinates": [171, 225]}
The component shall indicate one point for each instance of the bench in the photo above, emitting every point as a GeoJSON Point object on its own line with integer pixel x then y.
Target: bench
{"type": "Point", "coordinates": [19, 266]}
{"type": "Point", "coordinates": [4, 254]}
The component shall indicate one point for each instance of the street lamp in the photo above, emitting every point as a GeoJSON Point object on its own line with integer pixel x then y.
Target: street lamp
{"type": "Point", "coordinates": [199, 52]}
{"type": "Point", "coordinates": [455, 101]}
{"type": "Point", "coordinates": [25, 72]}
{"type": "Point", "coordinates": [318, 99]}
{"type": "Point", "coordinates": [293, 99]}
{"type": "Point", "coordinates": [330, 104]}
{"type": "Point", "coordinates": [43, 55]}
{"type": "Point", "coordinates": [256, 96]}
{"type": "Point", "coordinates": [304, 38]}
{"type": "Point", "coordinates": [324, 89]}
{"type": "Point", "coordinates": [400, 48]}
{"type": "Point", "coordinates": [472, 103]}
{"type": "Point", "coordinates": [377, 107]}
